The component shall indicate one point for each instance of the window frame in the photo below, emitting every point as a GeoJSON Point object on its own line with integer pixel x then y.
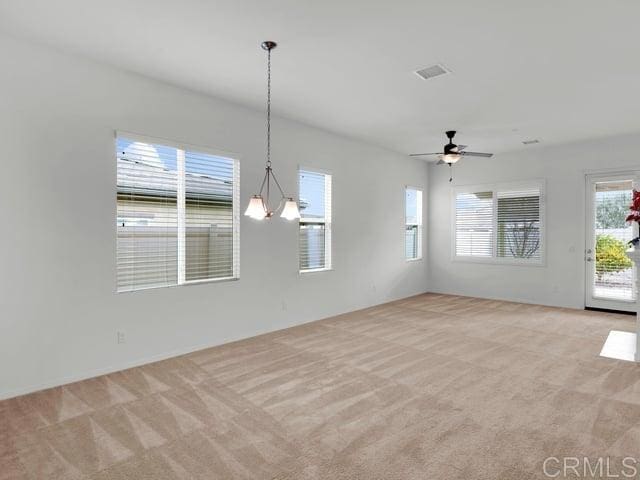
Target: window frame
{"type": "Point", "coordinates": [420, 230]}
{"type": "Point", "coordinates": [183, 146]}
{"type": "Point", "coordinates": [495, 188]}
{"type": "Point", "coordinates": [328, 240]}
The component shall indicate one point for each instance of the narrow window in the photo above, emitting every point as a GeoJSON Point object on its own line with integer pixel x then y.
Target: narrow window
{"type": "Point", "coordinates": [413, 223]}
{"type": "Point", "coordinates": [177, 216]}
{"type": "Point", "coordinates": [315, 221]}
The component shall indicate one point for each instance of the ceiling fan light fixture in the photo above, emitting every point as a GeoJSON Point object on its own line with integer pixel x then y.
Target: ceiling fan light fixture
{"type": "Point", "coordinates": [451, 158]}
{"type": "Point", "coordinates": [452, 153]}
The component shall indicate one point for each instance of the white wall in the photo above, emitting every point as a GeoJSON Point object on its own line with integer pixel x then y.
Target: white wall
{"type": "Point", "coordinates": [59, 310]}
{"type": "Point", "coordinates": [561, 281]}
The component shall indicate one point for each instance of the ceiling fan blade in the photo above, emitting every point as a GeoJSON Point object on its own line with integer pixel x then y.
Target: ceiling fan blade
{"type": "Point", "coordinates": [462, 147]}
{"type": "Point", "coordinates": [476, 154]}
{"type": "Point", "coordinates": [440, 162]}
{"type": "Point", "coordinates": [421, 154]}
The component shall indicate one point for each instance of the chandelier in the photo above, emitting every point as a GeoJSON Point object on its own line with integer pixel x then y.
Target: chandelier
{"type": "Point", "coordinates": [259, 207]}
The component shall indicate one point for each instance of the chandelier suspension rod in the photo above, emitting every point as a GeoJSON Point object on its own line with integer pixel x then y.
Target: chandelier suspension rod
{"type": "Point", "coordinates": [258, 207]}
{"type": "Point", "coordinates": [269, 47]}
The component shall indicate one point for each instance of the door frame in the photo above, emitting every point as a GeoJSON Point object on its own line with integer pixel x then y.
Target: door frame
{"type": "Point", "coordinates": [589, 238]}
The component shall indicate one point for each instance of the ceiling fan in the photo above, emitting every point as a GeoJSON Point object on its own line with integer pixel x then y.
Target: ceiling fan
{"type": "Point", "coordinates": [452, 152]}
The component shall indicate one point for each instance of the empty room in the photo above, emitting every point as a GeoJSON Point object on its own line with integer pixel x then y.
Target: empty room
{"type": "Point", "coordinates": [341, 240]}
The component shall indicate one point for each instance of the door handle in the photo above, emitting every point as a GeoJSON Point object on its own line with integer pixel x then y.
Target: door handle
{"type": "Point", "coordinates": [589, 259]}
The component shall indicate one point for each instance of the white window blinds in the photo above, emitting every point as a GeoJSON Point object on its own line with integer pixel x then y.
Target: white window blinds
{"type": "Point", "coordinates": [177, 216]}
{"type": "Point", "coordinates": [413, 223]}
{"type": "Point", "coordinates": [502, 223]}
{"type": "Point", "coordinates": [315, 221]}
{"type": "Point", "coordinates": [518, 225]}
{"type": "Point", "coordinates": [474, 224]}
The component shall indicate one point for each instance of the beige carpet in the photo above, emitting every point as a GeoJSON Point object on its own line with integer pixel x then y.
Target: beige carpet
{"type": "Point", "coordinates": [431, 387]}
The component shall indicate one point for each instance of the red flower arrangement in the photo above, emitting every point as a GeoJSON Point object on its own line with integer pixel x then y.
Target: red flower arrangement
{"type": "Point", "coordinates": [634, 216]}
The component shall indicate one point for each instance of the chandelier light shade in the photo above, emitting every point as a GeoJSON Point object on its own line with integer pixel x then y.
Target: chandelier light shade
{"type": "Point", "coordinates": [259, 207]}
{"type": "Point", "coordinates": [256, 208]}
{"type": "Point", "coordinates": [290, 210]}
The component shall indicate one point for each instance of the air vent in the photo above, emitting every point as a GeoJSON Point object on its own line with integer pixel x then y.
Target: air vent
{"type": "Point", "coordinates": [530, 142]}
{"type": "Point", "coordinates": [433, 71]}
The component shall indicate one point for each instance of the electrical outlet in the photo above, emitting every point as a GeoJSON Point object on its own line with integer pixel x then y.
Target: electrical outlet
{"type": "Point", "coordinates": [121, 338]}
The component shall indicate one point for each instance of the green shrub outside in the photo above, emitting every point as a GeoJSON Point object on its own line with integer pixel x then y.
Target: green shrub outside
{"type": "Point", "coordinates": [610, 255]}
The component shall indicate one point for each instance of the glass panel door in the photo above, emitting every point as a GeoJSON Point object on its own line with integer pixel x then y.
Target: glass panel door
{"type": "Point", "coordinates": [610, 273]}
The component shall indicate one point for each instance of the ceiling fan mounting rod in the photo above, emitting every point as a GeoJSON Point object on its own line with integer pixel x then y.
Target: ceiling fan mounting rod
{"type": "Point", "coordinates": [450, 134]}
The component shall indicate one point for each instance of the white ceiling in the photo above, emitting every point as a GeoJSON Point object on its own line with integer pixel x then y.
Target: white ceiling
{"type": "Point", "coordinates": [555, 70]}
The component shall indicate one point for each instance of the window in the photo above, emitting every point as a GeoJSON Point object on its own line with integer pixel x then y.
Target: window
{"type": "Point", "coordinates": [315, 221]}
{"type": "Point", "coordinates": [177, 216]}
{"type": "Point", "coordinates": [413, 223]}
{"type": "Point", "coordinates": [474, 224]}
{"type": "Point", "coordinates": [503, 223]}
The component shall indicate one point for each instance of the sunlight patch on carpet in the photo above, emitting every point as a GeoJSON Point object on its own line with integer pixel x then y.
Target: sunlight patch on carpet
{"type": "Point", "coordinates": [620, 346]}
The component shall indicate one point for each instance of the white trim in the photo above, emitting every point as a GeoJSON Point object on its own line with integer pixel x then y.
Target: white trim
{"type": "Point", "coordinates": [328, 218]}
{"type": "Point", "coordinates": [315, 270]}
{"type": "Point", "coordinates": [66, 380]}
{"type": "Point", "coordinates": [206, 280]}
{"type": "Point", "coordinates": [187, 283]}
{"type": "Point", "coordinates": [494, 226]}
{"type": "Point", "coordinates": [236, 219]}
{"type": "Point", "coordinates": [497, 261]}
{"type": "Point", "coordinates": [182, 209]}
{"type": "Point", "coordinates": [539, 183]}
{"type": "Point", "coordinates": [511, 299]}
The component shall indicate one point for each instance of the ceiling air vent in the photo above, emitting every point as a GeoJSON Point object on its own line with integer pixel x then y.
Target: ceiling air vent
{"type": "Point", "coordinates": [530, 142]}
{"type": "Point", "coordinates": [433, 71]}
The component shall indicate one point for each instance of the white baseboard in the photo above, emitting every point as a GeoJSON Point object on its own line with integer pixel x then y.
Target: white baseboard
{"type": "Point", "coordinates": [504, 298]}
{"type": "Point", "coordinates": [104, 371]}
{"type": "Point", "coordinates": [57, 382]}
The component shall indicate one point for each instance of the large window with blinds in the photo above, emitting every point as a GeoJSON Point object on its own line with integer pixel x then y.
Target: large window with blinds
{"type": "Point", "coordinates": [501, 223]}
{"type": "Point", "coordinates": [177, 215]}
{"type": "Point", "coordinates": [314, 235]}
{"type": "Point", "coordinates": [412, 223]}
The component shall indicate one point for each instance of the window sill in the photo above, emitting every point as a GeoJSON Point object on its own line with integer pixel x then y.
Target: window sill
{"type": "Point", "coordinates": [410, 260]}
{"type": "Point", "coordinates": [619, 300]}
{"type": "Point", "coordinates": [208, 280]}
{"type": "Point", "coordinates": [315, 270]}
{"type": "Point", "coordinates": [497, 261]}
{"type": "Point", "coordinates": [186, 284]}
